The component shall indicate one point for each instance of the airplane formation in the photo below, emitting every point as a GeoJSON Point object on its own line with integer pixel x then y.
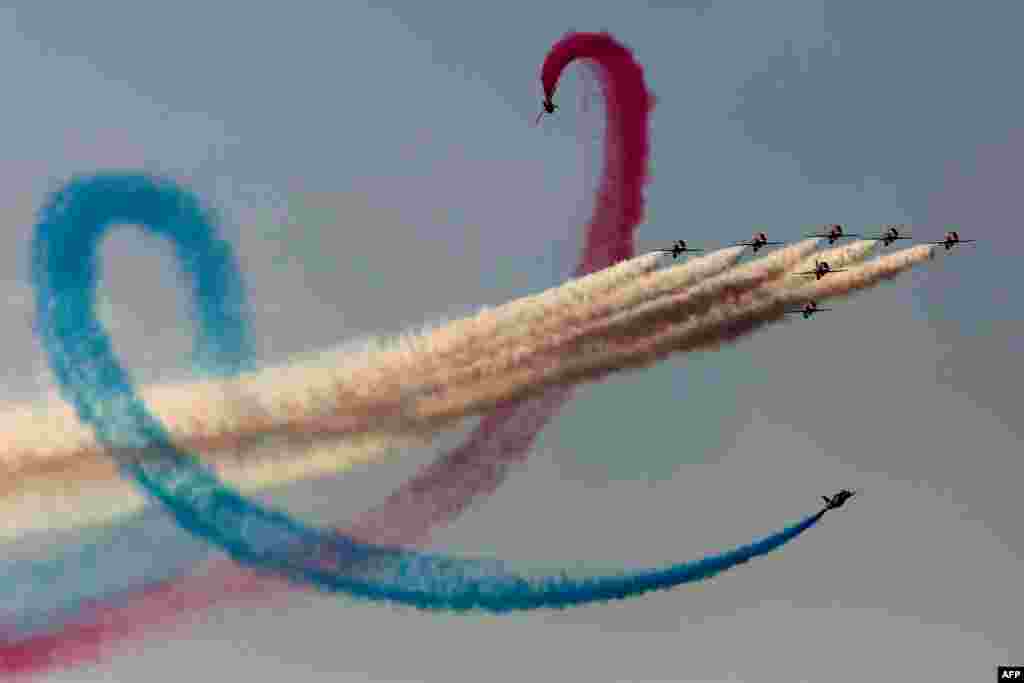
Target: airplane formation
{"type": "Point", "coordinates": [821, 268]}
{"type": "Point", "coordinates": [833, 233]}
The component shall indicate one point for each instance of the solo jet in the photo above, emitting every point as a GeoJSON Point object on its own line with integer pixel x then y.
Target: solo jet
{"type": "Point", "coordinates": [838, 499]}
{"type": "Point", "coordinates": [678, 248]}
{"type": "Point", "coordinates": [889, 236]}
{"type": "Point", "coordinates": [759, 240]}
{"type": "Point", "coordinates": [821, 269]}
{"type": "Point", "coordinates": [549, 108]}
{"type": "Point", "coordinates": [834, 233]}
{"type": "Point", "coordinates": [952, 239]}
{"type": "Point", "coordinates": [809, 309]}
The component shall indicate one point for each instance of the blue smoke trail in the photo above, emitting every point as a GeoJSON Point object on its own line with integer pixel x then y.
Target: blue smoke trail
{"type": "Point", "coordinates": [64, 264]}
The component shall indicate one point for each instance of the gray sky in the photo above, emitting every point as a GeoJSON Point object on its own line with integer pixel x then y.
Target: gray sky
{"type": "Point", "coordinates": [376, 169]}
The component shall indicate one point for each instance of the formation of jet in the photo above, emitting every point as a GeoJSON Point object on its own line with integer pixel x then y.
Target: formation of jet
{"type": "Point", "coordinates": [952, 239]}
{"type": "Point", "coordinates": [549, 108]}
{"type": "Point", "coordinates": [821, 269]}
{"type": "Point", "coordinates": [834, 233]}
{"type": "Point", "coordinates": [838, 499]}
{"type": "Point", "coordinates": [890, 236]}
{"type": "Point", "coordinates": [809, 309]}
{"type": "Point", "coordinates": [759, 240]}
{"type": "Point", "coordinates": [678, 248]}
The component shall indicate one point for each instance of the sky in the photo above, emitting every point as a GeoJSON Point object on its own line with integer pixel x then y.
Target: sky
{"type": "Point", "coordinates": [375, 168]}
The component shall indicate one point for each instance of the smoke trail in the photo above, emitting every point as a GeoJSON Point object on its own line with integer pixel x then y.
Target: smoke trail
{"type": "Point", "coordinates": [88, 491]}
{"type": "Point", "coordinates": [536, 344]}
{"type": "Point", "coordinates": [511, 580]}
{"type": "Point", "coordinates": [837, 257]}
{"type": "Point", "coordinates": [43, 444]}
{"type": "Point", "coordinates": [728, 326]}
{"type": "Point", "coordinates": [589, 306]}
{"type": "Point", "coordinates": [610, 232]}
{"type": "Point", "coordinates": [50, 448]}
{"type": "Point", "coordinates": [620, 200]}
{"type": "Point", "coordinates": [547, 334]}
{"type": "Point", "coordinates": [373, 406]}
{"type": "Point", "coordinates": [500, 592]}
{"type": "Point", "coordinates": [729, 322]}
{"type": "Point", "coordinates": [465, 391]}
{"type": "Point", "coordinates": [80, 353]}
{"type": "Point", "coordinates": [504, 437]}
{"type": "Point", "coordinates": [493, 326]}
{"type": "Point", "coordinates": [237, 431]}
{"type": "Point", "coordinates": [631, 312]}
{"type": "Point", "coordinates": [589, 360]}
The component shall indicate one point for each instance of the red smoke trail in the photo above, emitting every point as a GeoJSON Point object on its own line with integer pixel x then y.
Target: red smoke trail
{"type": "Point", "coordinates": [620, 201]}
{"type": "Point", "coordinates": [440, 492]}
{"type": "Point", "coordinates": [447, 486]}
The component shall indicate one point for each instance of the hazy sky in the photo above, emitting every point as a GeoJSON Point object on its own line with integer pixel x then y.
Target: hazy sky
{"type": "Point", "coordinates": [376, 169]}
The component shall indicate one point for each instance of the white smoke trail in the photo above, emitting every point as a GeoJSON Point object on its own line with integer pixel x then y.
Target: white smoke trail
{"type": "Point", "coordinates": [620, 324]}
{"type": "Point", "coordinates": [836, 257]}
{"type": "Point", "coordinates": [589, 307]}
{"type": "Point", "coordinates": [48, 456]}
{"type": "Point", "coordinates": [593, 361]}
{"type": "Point", "coordinates": [91, 491]}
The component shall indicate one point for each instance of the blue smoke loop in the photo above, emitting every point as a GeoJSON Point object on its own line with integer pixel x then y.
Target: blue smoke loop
{"type": "Point", "coordinates": [64, 274]}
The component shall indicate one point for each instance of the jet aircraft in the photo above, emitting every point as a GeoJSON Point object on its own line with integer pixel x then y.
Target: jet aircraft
{"type": "Point", "coordinates": [678, 248]}
{"type": "Point", "coordinates": [821, 269]}
{"type": "Point", "coordinates": [952, 239]}
{"type": "Point", "coordinates": [809, 309]}
{"type": "Point", "coordinates": [838, 499]}
{"type": "Point", "coordinates": [889, 236]}
{"type": "Point", "coordinates": [549, 108]}
{"type": "Point", "coordinates": [834, 233]}
{"type": "Point", "coordinates": [759, 240]}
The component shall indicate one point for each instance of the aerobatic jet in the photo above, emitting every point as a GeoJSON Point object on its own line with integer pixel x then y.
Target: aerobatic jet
{"type": "Point", "coordinates": [549, 108]}
{"type": "Point", "coordinates": [759, 240]}
{"type": "Point", "coordinates": [809, 309]}
{"type": "Point", "coordinates": [952, 239]}
{"type": "Point", "coordinates": [678, 248]}
{"type": "Point", "coordinates": [834, 233]}
{"type": "Point", "coordinates": [821, 269]}
{"type": "Point", "coordinates": [889, 236]}
{"type": "Point", "coordinates": [838, 499]}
